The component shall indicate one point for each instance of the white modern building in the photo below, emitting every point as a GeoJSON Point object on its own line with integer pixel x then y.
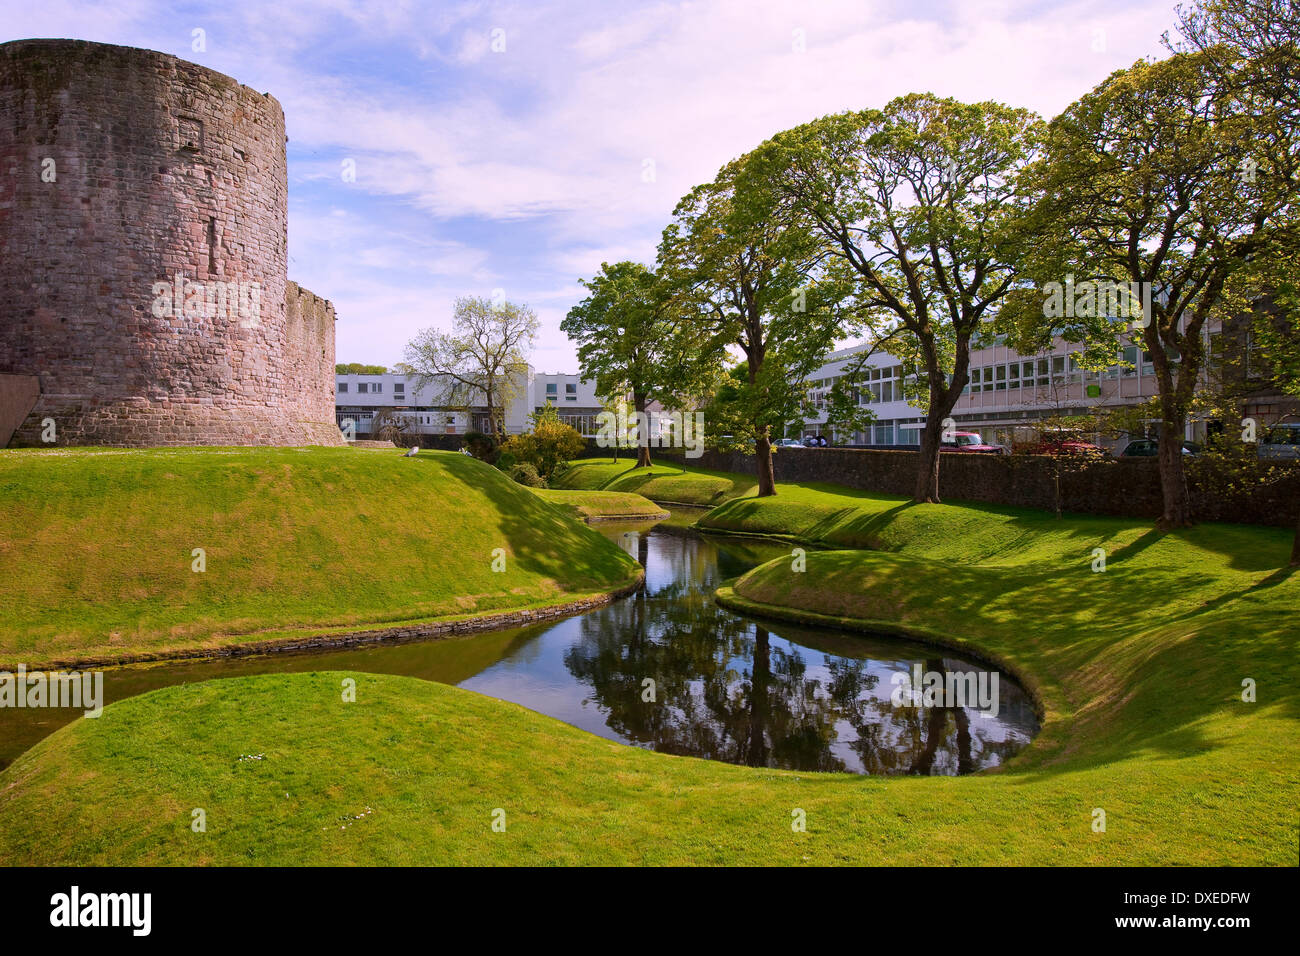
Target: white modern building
{"type": "Point", "coordinates": [1007, 394]}
{"type": "Point", "coordinates": [359, 398]}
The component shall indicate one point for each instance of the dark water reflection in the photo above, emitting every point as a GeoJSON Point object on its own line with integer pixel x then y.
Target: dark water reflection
{"type": "Point", "coordinates": [724, 687]}
{"type": "Point", "coordinates": [729, 689]}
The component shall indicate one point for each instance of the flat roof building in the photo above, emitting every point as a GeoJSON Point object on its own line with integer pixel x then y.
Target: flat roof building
{"type": "Point", "coordinates": [1008, 393]}
{"type": "Point", "coordinates": [358, 398]}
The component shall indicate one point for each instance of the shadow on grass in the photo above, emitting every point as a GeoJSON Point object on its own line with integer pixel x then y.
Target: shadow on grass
{"type": "Point", "coordinates": [1280, 576]}
{"type": "Point", "coordinates": [542, 539]}
{"type": "Point", "coordinates": [1139, 665]}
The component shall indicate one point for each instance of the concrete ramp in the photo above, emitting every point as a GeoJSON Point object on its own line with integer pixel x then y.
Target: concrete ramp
{"type": "Point", "coordinates": [18, 394]}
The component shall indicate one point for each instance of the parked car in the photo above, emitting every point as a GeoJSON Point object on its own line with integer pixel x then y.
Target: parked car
{"type": "Point", "coordinates": [788, 443]}
{"type": "Point", "coordinates": [1281, 442]}
{"type": "Point", "coordinates": [1150, 447]}
{"type": "Point", "coordinates": [971, 442]}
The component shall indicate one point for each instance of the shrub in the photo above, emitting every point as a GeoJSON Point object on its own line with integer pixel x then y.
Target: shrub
{"type": "Point", "coordinates": [480, 445]}
{"type": "Point", "coordinates": [548, 444]}
{"type": "Point", "coordinates": [506, 461]}
{"type": "Point", "coordinates": [526, 474]}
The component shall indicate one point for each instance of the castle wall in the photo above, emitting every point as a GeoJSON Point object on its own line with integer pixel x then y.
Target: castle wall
{"type": "Point", "coordinates": [18, 395]}
{"type": "Point", "coordinates": [309, 362]}
{"type": "Point", "coordinates": [121, 169]}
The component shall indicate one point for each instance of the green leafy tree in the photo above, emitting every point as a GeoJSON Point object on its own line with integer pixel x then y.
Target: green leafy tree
{"type": "Point", "coordinates": [356, 368]}
{"type": "Point", "coordinates": [1254, 43]}
{"type": "Point", "coordinates": [621, 329]}
{"type": "Point", "coordinates": [746, 274]}
{"type": "Point", "coordinates": [1172, 184]}
{"type": "Point", "coordinates": [725, 410]}
{"type": "Point", "coordinates": [483, 360]}
{"type": "Point", "coordinates": [916, 204]}
{"type": "Point", "coordinates": [1267, 34]}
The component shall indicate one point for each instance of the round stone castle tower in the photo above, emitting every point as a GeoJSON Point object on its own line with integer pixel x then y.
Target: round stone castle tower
{"type": "Point", "coordinates": [143, 242]}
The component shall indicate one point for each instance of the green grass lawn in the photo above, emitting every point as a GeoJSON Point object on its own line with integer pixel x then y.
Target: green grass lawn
{"type": "Point", "coordinates": [96, 552]}
{"type": "Point", "coordinates": [660, 482]}
{"type": "Point", "coordinates": [595, 505]}
{"type": "Point", "coordinates": [1139, 670]}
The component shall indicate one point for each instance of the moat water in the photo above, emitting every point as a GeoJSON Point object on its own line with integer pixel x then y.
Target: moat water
{"type": "Point", "coordinates": [669, 670]}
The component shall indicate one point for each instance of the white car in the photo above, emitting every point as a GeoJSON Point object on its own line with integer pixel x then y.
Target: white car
{"type": "Point", "coordinates": [1281, 442]}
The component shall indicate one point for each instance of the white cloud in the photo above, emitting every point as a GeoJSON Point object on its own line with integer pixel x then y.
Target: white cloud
{"type": "Point", "coordinates": [551, 134]}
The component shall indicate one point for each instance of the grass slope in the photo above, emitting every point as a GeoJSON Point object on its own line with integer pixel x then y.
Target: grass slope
{"type": "Point", "coordinates": [412, 772]}
{"type": "Point", "coordinates": [665, 483]}
{"type": "Point", "coordinates": [595, 505]}
{"type": "Point", "coordinates": [1139, 669]}
{"type": "Point", "coordinates": [96, 551]}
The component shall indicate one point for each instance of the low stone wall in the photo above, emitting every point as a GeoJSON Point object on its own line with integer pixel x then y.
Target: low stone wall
{"type": "Point", "coordinates": [1110, 487]}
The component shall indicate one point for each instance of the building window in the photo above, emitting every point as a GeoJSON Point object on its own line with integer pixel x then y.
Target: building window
{"type": "Point", "coordinates": [378, 387]}
{"type": "Point", "coordinates": [1132, 354]}
{"type": "Point", "coordinates": [362, 388]}
{"type": "Point", "coordinates": [570, 392]}
{"type": "Point", "coordinates": [343, 388]}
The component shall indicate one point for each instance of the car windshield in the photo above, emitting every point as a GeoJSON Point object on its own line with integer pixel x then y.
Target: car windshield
{"type": "Point", "coordinates": [969, 440]}
{"type": "Point", "coordinates": [1284, 436]}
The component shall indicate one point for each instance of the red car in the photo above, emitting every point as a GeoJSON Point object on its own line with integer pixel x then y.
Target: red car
{"type": "Point", "coordinates": [971, 442]}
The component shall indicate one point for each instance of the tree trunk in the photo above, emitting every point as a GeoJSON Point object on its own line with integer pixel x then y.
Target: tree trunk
{"type": "Point", "coordinates": [964, 762]}
{"type": "Point", "coordinates": [756, 751]}
{"type": "Point", "coordinates": [1295, 547]}
{"type": "Point", "coordinates": [763, 461]}
{"type": "Point", "coordinates": [1173, 482]}
{"type": "Point", "coordinates": [642, 432]}
{"type": "Point", "coordinates": [936, 722]}
{"type": "Point", "coordinates": [927, 474]}
{"type": "Point", "coordinates": [491, 417]}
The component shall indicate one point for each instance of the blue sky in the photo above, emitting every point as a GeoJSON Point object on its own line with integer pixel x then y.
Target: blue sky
{"type": "Point", "coordinates": [524, 168]}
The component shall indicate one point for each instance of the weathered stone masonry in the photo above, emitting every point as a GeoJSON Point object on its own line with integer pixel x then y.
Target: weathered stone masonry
{"type": "Point", "coordinates": [121, 168]}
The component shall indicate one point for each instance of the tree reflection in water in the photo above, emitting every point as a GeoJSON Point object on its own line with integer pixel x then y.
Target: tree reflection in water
{"type": "Point", "coordinates": [729, 689]}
